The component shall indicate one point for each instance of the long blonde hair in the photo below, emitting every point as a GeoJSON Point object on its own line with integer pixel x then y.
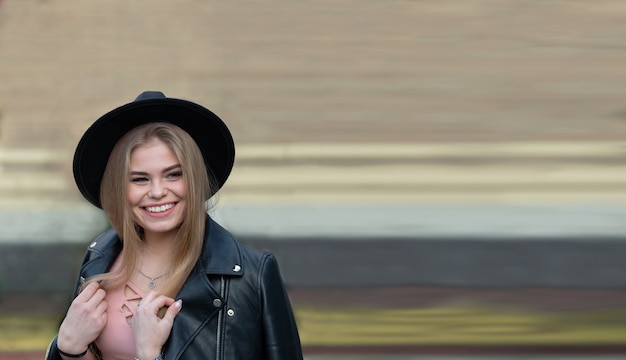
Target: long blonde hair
{"type": "Point", "coordinates": [113, 195]}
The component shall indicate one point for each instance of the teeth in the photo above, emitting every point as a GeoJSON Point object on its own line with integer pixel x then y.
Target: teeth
{"type": "Point", "coordinates": [158, 209]}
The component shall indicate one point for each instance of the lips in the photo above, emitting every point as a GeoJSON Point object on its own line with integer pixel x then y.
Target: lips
{"type": "Point", "coordinates": [159, 208]}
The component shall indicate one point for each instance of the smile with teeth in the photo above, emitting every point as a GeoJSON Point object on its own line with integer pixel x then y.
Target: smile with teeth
{"type": "Point", "coordinates": [158, 209]}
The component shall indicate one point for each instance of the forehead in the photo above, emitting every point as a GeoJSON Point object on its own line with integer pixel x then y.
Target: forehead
{"type": "Point", "coordinates": [154, 151]}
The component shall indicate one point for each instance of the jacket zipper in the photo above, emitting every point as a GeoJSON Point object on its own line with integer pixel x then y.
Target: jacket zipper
{"type": "Point", "coordinates": [220, 320]}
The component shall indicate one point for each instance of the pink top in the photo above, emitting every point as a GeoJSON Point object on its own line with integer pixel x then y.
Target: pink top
{"type": "Point", "coordinates": [116, 340]}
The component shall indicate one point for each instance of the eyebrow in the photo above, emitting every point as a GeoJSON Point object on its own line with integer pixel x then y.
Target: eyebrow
{"type": "Point", "coordinates": [167, 169]}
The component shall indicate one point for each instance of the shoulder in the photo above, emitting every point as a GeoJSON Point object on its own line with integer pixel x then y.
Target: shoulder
{"type": "Point", "coordinates": [104, 242]}
{"type": "Point", "coordinates": [254, 254]}
{"type": "Point", "coordinates": [261, 264]}
{"type": "Point", "coordinates": [106, 245]}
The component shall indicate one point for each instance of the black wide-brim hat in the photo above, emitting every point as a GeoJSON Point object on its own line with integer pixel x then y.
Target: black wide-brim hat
{"type": "Point", "coordinates": [207, 129]}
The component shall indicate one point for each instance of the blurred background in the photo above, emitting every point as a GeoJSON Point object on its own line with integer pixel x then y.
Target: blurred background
{"type": "Point", "coordinates": [436, 178]}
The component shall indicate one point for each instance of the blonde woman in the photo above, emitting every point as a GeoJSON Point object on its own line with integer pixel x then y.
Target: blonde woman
{"type": "Point", "coordinates": [166, 281]}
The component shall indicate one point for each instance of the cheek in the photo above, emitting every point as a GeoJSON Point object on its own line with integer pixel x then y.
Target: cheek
{"type": "Point", "coordinates": [180, 189]}
{"type": "Point", "coordinates": [134, 195]}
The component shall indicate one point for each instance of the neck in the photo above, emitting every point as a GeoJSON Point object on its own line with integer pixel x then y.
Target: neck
{"type": "Point", "coordinates": [157, 253]}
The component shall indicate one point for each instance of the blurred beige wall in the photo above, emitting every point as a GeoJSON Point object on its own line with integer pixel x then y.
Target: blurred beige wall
{"type": "Point", "coordinates": [413, 81]}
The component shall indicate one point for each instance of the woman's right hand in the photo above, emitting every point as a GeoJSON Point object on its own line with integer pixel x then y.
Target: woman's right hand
{"type": "Point", "coordinates": [84, 321]}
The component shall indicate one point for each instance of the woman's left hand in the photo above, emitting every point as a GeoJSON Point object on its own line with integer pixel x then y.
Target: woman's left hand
{"type": "Point", "coordinates": [149, 330]}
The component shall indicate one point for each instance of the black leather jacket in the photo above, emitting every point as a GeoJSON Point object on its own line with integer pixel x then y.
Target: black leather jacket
{"type": "Point", "coordinates": [234, 302]}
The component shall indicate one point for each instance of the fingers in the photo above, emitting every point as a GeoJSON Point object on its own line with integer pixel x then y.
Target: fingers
{"type": "Point", "coordinates": [157, 308]}
{"type": "Point", "coordinates": [87, 292]}
{"type": "Point", "coordinates": [90, 299]}
{"type": "Point", "coordinates": [173, 310]}
{"type": "Point", "coordinates": [96, 298]}
{"type": "Point", "coordinates": [152, 323]}
{"type": "Point", "coordinates": [90, 306]}
{"type": "Point", "coordinates": [101, 309]}
{"type": "Point", "coordinates": [153, 302]}
{"type": "Point", "coordinates": [91, 295]}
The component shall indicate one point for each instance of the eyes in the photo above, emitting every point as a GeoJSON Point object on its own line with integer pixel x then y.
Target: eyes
{"type": "Point", "coordinates": [144, 178]}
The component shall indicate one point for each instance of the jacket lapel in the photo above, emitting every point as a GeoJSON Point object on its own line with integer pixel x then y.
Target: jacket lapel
{"type": "Point", "coordinates": [201, 300]}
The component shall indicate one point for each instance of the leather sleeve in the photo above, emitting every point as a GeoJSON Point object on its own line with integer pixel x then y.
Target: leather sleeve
{"type": "Point", "coordinates": [282, 341]}
{"type": "Point", "coordinates": [52, 353]}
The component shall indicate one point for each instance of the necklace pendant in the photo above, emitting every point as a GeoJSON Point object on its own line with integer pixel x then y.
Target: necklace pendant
{"type": "Point", "coordinates": [151, 284]}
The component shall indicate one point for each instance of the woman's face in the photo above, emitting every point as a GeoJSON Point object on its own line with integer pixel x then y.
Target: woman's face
{"type": "Point", "coordinates": [156, 189]}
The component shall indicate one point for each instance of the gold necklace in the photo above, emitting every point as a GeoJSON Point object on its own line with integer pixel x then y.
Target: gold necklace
{"type": "Point", "coordinates": [151, 284]}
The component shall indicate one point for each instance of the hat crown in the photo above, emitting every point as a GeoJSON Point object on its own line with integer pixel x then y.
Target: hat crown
{"type": "Point", "coordinates": [147, 95]}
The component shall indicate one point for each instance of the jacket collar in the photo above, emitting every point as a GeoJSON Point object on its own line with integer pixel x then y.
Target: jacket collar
{"type": "Point", "coordinates": [101, 254]}
{"type": "Point", "coordinates": [221, 254]}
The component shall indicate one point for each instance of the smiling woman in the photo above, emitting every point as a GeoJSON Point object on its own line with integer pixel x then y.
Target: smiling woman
{"type": "Point", "coordinates": [167, 281]}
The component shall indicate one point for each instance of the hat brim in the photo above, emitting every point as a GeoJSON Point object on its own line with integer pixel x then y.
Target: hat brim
{"type": "Point", "coordinates": [207, 129]}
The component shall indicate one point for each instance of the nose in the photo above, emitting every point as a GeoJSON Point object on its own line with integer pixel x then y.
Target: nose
{"type": "Point", "coordinates": [157, 190]}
